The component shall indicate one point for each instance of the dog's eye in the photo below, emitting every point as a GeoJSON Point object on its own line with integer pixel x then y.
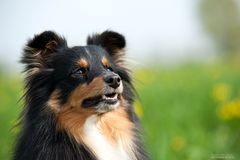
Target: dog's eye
{"type": "Point", "coordinates": [78, 72]}
{"type": "Point", "coordinates": [109, 69]}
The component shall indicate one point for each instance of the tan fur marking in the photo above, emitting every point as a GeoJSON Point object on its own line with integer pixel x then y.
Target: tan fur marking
{"type": "Point", "coordinates": [53, 101]}
{"type": "Point", "coordinates": [96, 87]}
{"type": "Point", "coordinates": [83, 63]}
{"type": "Point", "coordinates": [105, 62]}
{"type": "Point", "coordinates": [117, 128]}
{"type": "Point", "coordinates": [116, 125]}
{"type": "Point", "coordinates": [73, 116]}
{"type": "Point", "coordinates": [72, 120]}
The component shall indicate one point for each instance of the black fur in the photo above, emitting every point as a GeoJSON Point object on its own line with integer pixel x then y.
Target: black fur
{"type": "Point", "coordinates": [109, 40]}
{"type": "Point", "coordinates": [49, 65]}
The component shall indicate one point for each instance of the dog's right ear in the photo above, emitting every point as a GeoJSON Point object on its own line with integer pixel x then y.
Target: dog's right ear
{"type": "Point", "coordinates": [40, 49]}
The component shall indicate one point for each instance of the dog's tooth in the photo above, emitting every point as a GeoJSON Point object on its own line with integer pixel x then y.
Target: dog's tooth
{"type": "Point", "coordinates": [104, 97]}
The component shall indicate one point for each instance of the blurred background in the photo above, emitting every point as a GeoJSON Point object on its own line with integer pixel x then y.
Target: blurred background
{"type": "Point", "coordinates": [185, 56]}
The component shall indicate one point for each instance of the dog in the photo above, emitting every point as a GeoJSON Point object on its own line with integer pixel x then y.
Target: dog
{"type": "Point", "coordinates": [78, 101]}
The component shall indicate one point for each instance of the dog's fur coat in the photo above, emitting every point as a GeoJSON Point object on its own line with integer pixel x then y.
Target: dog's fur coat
{"type": "Point", "coordinates": [78, 101]}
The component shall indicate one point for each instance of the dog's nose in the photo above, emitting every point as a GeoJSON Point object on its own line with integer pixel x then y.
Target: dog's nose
{"type": "Point", "coordinates": [113, 80]}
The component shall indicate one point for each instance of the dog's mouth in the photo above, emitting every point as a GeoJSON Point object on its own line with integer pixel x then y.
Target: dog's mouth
{"type": "Point", "coordinates": [108, 100]}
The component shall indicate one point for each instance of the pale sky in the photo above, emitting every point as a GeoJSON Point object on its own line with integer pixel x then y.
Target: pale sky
{"type": "Point", "coordinates": [170, 30]}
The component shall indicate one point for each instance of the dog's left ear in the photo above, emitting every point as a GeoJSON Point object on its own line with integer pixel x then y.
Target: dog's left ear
{"type": "Point", "coordinates": [113, 42]}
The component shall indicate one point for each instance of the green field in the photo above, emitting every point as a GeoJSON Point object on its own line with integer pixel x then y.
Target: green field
{"type": "Point", "coordinates": [188, 112]}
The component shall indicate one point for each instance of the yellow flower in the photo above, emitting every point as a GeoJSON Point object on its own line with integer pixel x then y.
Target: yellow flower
{"type": "Point", "coordinates": [221, 92]}
{"type": "Point", "coordinates": [230, 110]}
{"type": "Point", "coordinates": [178, 143]}
{"type": "Point", "coordinates": [138, 108]}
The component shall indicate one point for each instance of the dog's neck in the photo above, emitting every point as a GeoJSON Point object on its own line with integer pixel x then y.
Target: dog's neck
{"type": "Point", "coordinates": [108, 136]}
{"type": "Point", "coordinates": [106, 146]}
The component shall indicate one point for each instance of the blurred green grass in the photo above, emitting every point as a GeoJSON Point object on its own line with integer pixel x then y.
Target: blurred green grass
{"type": "Point", "coordinates": [179, 109]}
{"type": "Point", "coordinates": [10, 93]}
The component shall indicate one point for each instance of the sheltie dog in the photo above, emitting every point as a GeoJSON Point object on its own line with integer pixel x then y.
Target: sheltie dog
{"type": "Point", "coordinates": [78, 101]}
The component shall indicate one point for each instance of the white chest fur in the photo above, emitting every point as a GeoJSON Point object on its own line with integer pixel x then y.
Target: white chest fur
{"type": "Point", "coordinates": [99, 144]}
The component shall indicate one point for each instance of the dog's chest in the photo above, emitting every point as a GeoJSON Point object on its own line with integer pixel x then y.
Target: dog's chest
{"type": "Point", "coordinates": [100, 144]}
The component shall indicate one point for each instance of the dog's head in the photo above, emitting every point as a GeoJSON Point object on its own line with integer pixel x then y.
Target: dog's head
{"type": "Point", "coordinates": [91, 77]}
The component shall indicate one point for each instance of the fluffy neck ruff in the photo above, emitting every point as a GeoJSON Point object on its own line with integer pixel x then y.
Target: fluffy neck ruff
{"type": "Point", "coordinates": [107, 136]}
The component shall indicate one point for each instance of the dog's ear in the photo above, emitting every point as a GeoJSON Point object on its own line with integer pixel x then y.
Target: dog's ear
{"type": "Point", "coordinates": [113, 42]}
{"type": "Point", "coordinates": [40, 49]}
